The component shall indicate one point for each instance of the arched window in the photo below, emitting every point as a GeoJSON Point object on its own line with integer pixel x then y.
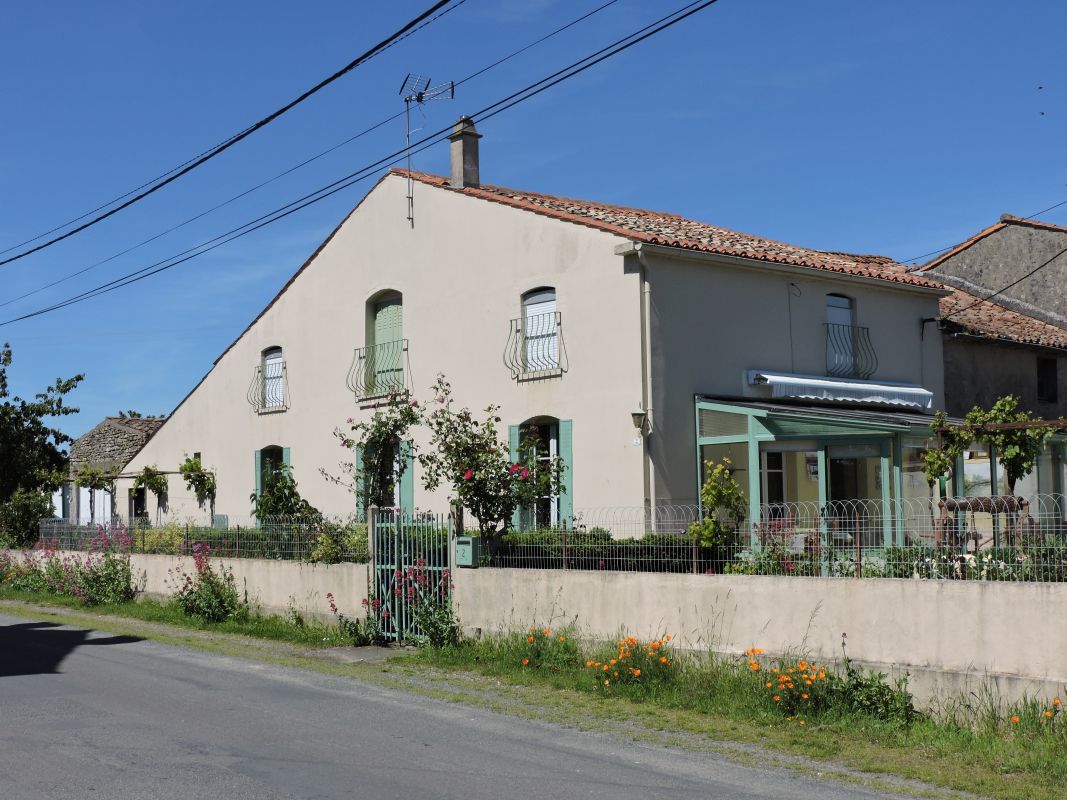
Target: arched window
{"type": "Point", "coordinates": [273, 367]}
{"type": "Point", "coordinates": [541, 329]}
{"type": "Point", "coordinates": [385, 339]}
{"type": "Point", "coordinates": [840, 336]}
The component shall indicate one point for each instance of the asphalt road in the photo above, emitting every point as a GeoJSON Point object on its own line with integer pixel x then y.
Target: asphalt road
{"type": "Point", "coordinates": [88, 715]}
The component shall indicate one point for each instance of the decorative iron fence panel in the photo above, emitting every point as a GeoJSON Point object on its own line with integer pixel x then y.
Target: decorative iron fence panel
{"type": "Point", "coordinates": [410, 570]}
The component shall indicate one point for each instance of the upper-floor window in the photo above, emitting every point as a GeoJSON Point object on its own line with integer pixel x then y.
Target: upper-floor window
{"type": "Point", "coordinates": [273, 379]}
{"type": "Point", "coordinates": [1047, 380]}
{"type": "Point", "coordinates": [535, 346]}
{"type": "Point", "coordinates": [378, 368]}
{"type": "Point", "coordinates": [849, 352]}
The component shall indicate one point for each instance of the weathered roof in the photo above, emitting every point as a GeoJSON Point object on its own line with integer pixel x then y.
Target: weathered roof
{"type": "Point", "coordinates": [672, 230]}
{"type": "Point", "coordinates": [1005, 221]}
{"type": "Point", "coordinates": [146, 425]}
{"type": "Point", "coordinates": [967, 312]}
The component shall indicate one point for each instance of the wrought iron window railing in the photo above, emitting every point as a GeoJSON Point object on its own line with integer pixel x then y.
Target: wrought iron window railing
{"type": "Point", "coordinates": [535, 347]}
{"type": "Point", "coordinates": [380, 369]}
{"type": "Point", "coordinates": [269, 391]}
{"type": "Point", "coordinates": [849, 352]}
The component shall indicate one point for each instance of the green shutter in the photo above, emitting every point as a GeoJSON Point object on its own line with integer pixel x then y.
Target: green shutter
{"type": "Point", "coordinates": [285, 458]}
{"type": "Point", "coordinates": [259, 472]}
{"type": "Point", "coordinates": [513, 451]}
{"type": "Point", "coordinates": [566, 497]}
{"type": "Point", "coordinates": [407, 480]}
{"type": "Point", "coordinates": [360, 483]}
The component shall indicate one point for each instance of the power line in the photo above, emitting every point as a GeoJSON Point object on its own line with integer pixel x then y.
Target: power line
{"type": "Point", "coordinates": [943, 249]}
{"type": "Point", "coordinates": [1002, 289]}
{"type": "Point", "coordinates": [189, 166]}
{"type": "Point", "coordinates": [512, 100]}
{"type": "Point", "coordinates": [303, 163]}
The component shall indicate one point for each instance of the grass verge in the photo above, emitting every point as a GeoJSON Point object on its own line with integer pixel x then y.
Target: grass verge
{"type": "Point", "coordinates": [709, 708]}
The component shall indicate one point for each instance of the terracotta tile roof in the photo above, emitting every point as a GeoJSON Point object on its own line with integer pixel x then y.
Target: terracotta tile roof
{"type": "Point", "coordinates": [671, 230]}
{"type": "Point", "coordinates": [996, 322]}
{"type": "Point", "coordinates": [1005, 221]}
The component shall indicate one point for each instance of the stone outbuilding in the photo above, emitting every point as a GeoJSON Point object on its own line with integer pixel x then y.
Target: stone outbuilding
{"type": "Point", "coordinates": [109, 446]}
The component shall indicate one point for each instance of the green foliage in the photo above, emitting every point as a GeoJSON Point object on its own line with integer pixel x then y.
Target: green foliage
{"type": "Point", "coordinates": [867, 693]}
{"type": "Point", "coordinates": [33, 459]}
{"type": "Point", "coordinates": [378, 442]}
{"type": "Point", "coordinates": [208, 594]}
{"type": "Point", "coordinates": [94, 478]}
{"type": "Point", "coordinates": [725, 506]}
{"type": "Point", "coordinates": [20, 516]}
{"type": "Point", "coordinates": [156, 482]}
{"type": "Point", "coordinates": [199, 481]}
{"type": "Point", "coordinates": [340, 541]}
{"type": "Point", "coordinates": [1017, 448]}
{"type": "Point", "coordinates": [280, 497]}
{"type": "Point", "coordinates": [469, 455]}
{"type": "Point", "coordinates": [547, 650]}
{"type": "Point", "coordinates": [92, 579]}
{"type": "Point", "coordinates": [168, 539]}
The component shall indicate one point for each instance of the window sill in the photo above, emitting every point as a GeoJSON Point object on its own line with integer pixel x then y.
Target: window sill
{"type": "Point", "coordinates": [539, 374]}
{"type": "Point", "coordinates": [266, 411]}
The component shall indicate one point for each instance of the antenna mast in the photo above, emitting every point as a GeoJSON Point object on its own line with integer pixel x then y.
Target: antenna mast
{"type": "Point", "coordinates": [416, 89]}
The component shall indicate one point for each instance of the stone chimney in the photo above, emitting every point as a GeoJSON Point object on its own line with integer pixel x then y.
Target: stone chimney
{"type": "Point", "coordinates": [464, 139]}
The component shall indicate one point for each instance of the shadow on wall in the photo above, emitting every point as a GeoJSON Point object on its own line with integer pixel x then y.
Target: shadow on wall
{"type": "Point", "coordinates": [38, 648]}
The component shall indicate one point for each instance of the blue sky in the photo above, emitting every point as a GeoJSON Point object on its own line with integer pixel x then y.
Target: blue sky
{"type": "Point", "coordinates": [895, 128]}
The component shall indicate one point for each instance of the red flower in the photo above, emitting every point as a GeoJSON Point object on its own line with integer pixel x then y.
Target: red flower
{"type": "Point", "coordinates": [525, 473]}
{"type": "Point", "coordinates": [468, 475]}
{"type": "Point", "coordinates": [515, 468]}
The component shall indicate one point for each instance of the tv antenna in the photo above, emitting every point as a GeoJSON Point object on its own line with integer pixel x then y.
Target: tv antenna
{"type": "Point", "coordinates": [416, 90]}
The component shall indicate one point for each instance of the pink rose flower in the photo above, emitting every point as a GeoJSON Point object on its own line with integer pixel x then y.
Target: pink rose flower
{"type": "Point", "coordinates": [468, 475]}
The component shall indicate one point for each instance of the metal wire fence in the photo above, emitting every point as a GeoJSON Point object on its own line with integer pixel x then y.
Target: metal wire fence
{"type": "Point", "coordinates": [999, 538]}
{"type": "Point", "coordinates": [281, 538]}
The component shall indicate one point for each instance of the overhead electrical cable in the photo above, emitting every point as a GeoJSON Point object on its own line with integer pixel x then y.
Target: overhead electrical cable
{"type": "Point", "coordinates": [300, 165]}
{"type": "Point", "coordinates": [189, 166]}
{"type": "Point", "coordinates": [363, 173]}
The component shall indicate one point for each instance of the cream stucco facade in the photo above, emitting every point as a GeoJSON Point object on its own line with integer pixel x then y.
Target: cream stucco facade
{"type": "Point", "coordinates": [648, 328]}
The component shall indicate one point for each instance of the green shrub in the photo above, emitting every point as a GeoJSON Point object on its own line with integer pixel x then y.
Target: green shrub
{"type": "Point", "coordinates": [168, 539]}
{"type": "Point", "coordinates": [21, 515]}
{"type": "Point", "coordinates": [209, 595]}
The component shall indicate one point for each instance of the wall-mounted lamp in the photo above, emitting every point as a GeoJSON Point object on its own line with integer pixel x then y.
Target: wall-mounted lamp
{"type": "Point", "coordinates": [641, 420]}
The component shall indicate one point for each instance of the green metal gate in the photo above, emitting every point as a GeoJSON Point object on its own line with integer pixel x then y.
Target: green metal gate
{"type": "Point", "coordinates": [410, 559]}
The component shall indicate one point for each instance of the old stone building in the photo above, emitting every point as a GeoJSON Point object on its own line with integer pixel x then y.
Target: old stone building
{"type": "Point", "coordinates": [109, 446]}
{"type": "Point", "coordinates": [1005, 252]}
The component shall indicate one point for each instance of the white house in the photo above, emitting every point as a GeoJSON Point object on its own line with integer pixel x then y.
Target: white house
{"type": "Point", "coordinates": [636, 343]}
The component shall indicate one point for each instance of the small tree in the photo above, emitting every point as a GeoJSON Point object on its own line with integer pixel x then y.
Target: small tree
{"type": "Point", "coordinates": [200, 482]}
{"type": "Point", "coordinates": [940, 462]}
{"type": "Point", "coordinates": [156, 482]}
{"type": "Point", "coordinates": [1018, 448]}
{"type": "Point", "coordinates": [469, 454]}
{"type": "Point", "coordinates": [724, 504]}
{"type": "Point", "coordinates": [279, 497]}
{"type": "Point", "coordinates": [95, 480]}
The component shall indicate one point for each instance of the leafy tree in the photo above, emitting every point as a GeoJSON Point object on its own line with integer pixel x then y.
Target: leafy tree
{"type": "Point", "coordinates": [1017, 448]}
{"type": "Point", "coordinates": [468, 454]}
{"type": "Point", "coordinates": [940, 462]}
{"type": "Point", "coordinates": [32, 459]}
{"type": "Point", "coordinates": [279, 497]}
{"type": "Point", "coordinates": [200, 482]}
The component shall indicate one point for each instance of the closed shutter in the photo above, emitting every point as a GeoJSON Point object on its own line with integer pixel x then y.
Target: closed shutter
{"type": "Point", "coordinates": [273, 379]}
{"type": "Point", "coordinates": [388, 357]}
{"type": "Point", "coordinates": [513, 454]}
{"type": "Point", "coordinates": [566, 454]}
{"type": "Point", "coordinates": [285, 458]}
{"type": "Point", "coordinates": [360, 482]}
{"type": "Point", "coordinates": [259, 472]}
{"type": "Point", "coordinates": [407, 479]}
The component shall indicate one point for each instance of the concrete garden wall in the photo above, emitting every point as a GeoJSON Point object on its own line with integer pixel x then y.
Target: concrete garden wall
{"type": "Point", "coordinates": [953, 637]}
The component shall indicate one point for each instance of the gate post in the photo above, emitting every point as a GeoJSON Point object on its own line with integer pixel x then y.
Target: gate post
{"type": "Point", "coordinates": [455, 528]}
{"type": "Point", "coordinates": [372, 551]}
